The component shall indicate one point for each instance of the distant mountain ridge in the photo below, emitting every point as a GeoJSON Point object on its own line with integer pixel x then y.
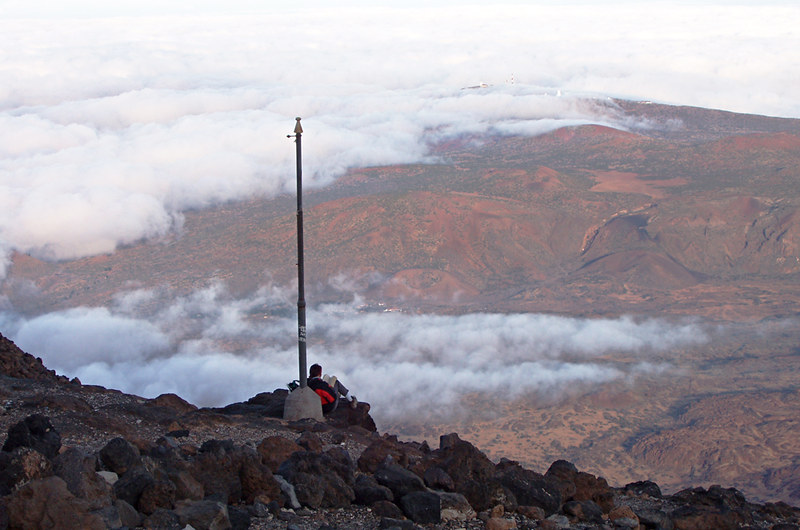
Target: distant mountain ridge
{"type": "Point", "coordinates": [658, 219]}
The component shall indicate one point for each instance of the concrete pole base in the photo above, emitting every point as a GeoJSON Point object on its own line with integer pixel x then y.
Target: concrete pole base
{"type": "Point", "coordinates": [301, 403]}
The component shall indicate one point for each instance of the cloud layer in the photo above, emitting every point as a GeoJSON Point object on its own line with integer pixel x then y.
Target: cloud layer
{"type": "Point", "coordinates": [213, 349]}
{"type": "Point", "coordinates": [117, 119]}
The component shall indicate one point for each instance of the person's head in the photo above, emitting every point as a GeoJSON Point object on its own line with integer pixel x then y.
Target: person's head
{"type": "Point", "coordinates": [315, 371]}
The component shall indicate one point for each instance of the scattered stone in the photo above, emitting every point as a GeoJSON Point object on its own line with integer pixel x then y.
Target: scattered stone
{"type": "Point", "coordinates": [109, 476]}
{"type": "Point", "coordinates": [499, 523]}
{"type": "Point", "coordinates": [531, 512]}
{"type": "Point", "coordinates": [388, 523]}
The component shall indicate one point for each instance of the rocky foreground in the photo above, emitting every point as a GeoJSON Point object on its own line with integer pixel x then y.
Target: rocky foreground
{"type": "Point", "coordinates": [80, 456]}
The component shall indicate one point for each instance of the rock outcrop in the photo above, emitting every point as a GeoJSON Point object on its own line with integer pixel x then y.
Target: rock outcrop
{"type": "Point", "coordinates": [339, 473]}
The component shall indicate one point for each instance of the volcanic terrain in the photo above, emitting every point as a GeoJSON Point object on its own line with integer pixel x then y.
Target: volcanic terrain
{"type": "Point", "coordinates": [687, 213]}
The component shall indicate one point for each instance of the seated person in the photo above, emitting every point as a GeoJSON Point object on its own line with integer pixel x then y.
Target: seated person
{"type": "Point", "coordinates": [330, 389]}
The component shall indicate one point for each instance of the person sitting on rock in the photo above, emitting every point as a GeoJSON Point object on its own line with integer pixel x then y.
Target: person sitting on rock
{"type": "Point", "coordinates": [329, 388]}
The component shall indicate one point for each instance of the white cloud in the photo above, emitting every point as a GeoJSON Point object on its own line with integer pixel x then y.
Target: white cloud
{"type": "Point", "coordinates": [213, 349]}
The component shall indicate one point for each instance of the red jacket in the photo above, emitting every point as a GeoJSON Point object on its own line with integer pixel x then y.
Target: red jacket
{"type": "Point", "coordinates": [326, 394]}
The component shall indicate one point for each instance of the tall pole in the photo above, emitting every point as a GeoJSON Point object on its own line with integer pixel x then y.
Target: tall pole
{"type": "Point", "coordinates": [301, 300]}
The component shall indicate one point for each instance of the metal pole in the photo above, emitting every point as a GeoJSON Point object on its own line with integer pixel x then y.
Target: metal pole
{"type": "Point", "coordinates": [301, 301]}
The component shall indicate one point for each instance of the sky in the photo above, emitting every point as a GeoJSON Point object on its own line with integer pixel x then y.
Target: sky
{"type": "Point", "coordinates": [117, 117]}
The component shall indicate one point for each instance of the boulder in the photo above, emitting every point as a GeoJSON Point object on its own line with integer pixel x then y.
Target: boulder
{"type": "Point", "coordinates": [110, 516]}
{"type": "Point", "coordinates": [239, 518]}
{"type": "Point", "coordinates": [231, 474]}
{"type": "Point", "coordinates": [653, 518]}
{"type": "Point", "coordinates": [319, 480]}
{"type": "Point", "coordinates": [396, 523]}
{"type": "Point", "coordinates": [472, 472]}
{"type": "Point", "coordinates": [203, 515]}
{"type": "Point", "coordinates": [368, 491]}
{"type": "Point", "coordinates": [119, 456]}
{"type": "Point", "coordinates": [47, 503]}
{"type": "Point", "coordinates": [398, 479]}
{"type": "Point", "coordinates": [438, 479]}
{"type": "Point", "coordinates": [172, 401]}
{"type": "Point", "coordinates": [583, 512]}
{"type": "Point", "coordinates": [130, 486]}
{"type": "Point", "coordinates": [158, 494]}
{"type": "Point", "coordinates": [77, 469]}
{"type": "Point", "coordinates": [624, 517]}
{"type": "Point", "coordinates": [643, 488]}
{"type": "Point", "coordinates": [423, 507]}
{"type": "Point", "coordinates": [582, 486]}
{"type": "Point", "coordinates": [21, 466]}
{"type": "Point", "coordinates": [528, 487]}
{"type": "Point", "coordinates": [163, 519]}
{"type": "Point", "coordinates": [387, 509]}
{"type": "Point", "coordinates": [379, 450]}
{"type": "Point", "coordinates": [128, 515]}
{"type": "Point", "coordinates": [288, 492]}
{"type": "Point", "coordinates": [455, 507]}
{"type": "Point", "coordinates": [346, 416]}
{"type": "Point", "coordinates": [500, 523]}
{"type": "Point", "coordinates": [716, 507]}
{"type": "Point", "coordinates": [272, 403]}
{"type": "Point", "coordinates": [275, 449]}
{"type": "Point", "coordinates": [310, 442]}
{"type": "Point", "coordinates": [35, 432]}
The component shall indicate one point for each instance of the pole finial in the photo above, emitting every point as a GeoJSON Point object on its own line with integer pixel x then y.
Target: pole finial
{"type": "Point", "coordinates": [298, 129]}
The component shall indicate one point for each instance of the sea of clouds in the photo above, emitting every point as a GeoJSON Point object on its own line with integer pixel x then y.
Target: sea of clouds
{"type": "Point", "coordinates": [213, 349]}
{"type": "Point", "coordinates": [117, 117]}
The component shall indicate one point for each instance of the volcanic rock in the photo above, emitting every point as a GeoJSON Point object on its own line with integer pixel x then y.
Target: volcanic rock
{"type": "Point", "coordinates": [274, 450]}
{"type": "Point", "coordinates": [368, 491]}
{"type": "Point", "coordinates": [119, 456]}
{"type": "Point", "coordinates": [472, 472]}
{"type": "Point", "coordinates": [47, 503]}
{"type": "Point", "coordinates": [422, 507]}
{"type": "Point", "coordinates": [528, 487]}
{"type": "Point", "coordinates": [319, 479]}
{"type": "Point", "coordinates": [35, 432]}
